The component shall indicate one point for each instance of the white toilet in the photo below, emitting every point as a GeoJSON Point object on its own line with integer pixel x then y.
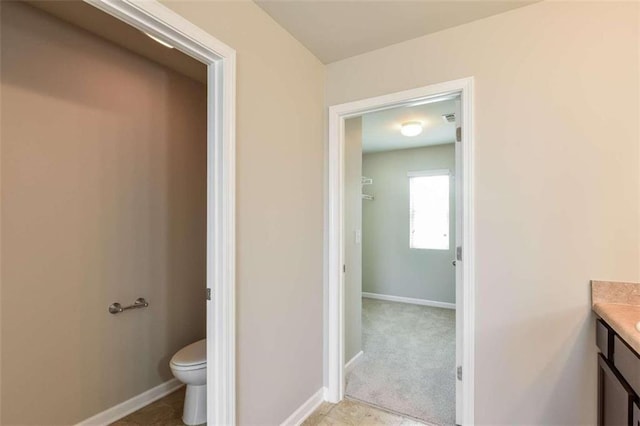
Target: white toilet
{"type": "Point", "coordinates": [189, 365]}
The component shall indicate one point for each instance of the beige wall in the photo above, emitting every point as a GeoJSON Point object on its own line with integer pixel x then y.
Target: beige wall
{"type": "Point", "coordinates": [353, 249]}
{"type": "Point", "coordinates": [389, 265]}
{"type": "Point", "coordinates": [556, 180]}
{"type": "Point", "coordinates": [103, 200]}
{"type": "Point", "coordinates": [280, 154]}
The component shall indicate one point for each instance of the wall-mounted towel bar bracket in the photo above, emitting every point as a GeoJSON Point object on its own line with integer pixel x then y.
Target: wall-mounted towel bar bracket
{"type": "Point", "coordinates": [116, 308]}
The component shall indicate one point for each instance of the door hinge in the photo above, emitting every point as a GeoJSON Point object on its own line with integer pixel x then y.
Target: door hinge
{"type": "Point", "coordinates": [459, 253]}
{"type": "Point", "coordinates": [459, 373]}
{"type": "Point", "coordinates": [344, 268]}
{"type": "Point", "coordinates": [459, 134]}
{"type": "Point", "coordinates": [208, 294]}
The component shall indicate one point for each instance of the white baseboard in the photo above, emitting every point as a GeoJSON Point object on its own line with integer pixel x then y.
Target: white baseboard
{"type": "Point", "coordinates": [306, 409]}
{"type": "Point", "coordinates": [353, 361]}
{"type": "Point", "coordinates": [401, 299]}
{"type": "Point", "coordinates": [127, 407]}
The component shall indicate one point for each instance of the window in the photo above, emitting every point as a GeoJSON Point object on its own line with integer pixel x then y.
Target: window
{"type": "Point", "coordinates": [429, 210]}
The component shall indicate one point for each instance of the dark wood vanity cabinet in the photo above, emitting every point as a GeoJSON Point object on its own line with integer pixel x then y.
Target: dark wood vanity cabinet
{"type": "Point", "coordinates": [618, 379]}
{"type": "Point", "coordinates": [635, 415]}
{"type": "Point", "coordinates": [615, 398]}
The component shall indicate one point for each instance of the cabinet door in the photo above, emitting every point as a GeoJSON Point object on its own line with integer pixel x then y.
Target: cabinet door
{"type": "Point", "coordinates": [615, 397]}
{"type": "Point", "coordinates": [604, 339]}
{"type": "Point", "coordinates": [626, 362]}
{"type": "Point", "coordinates": [636, 415]}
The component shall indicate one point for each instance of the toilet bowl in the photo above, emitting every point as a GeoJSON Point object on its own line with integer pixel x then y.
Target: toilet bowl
{"type": "Point", "coordinates": [189, 365]}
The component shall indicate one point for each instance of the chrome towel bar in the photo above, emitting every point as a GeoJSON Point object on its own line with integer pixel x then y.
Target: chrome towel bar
{"type": "Point", "coordinates": [116, 308]}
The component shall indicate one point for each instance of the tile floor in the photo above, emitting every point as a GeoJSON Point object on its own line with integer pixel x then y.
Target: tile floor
{"type": "Point", "coordinates": [167, 411]}
{"type": "Point", "coordinates": [354, 413]}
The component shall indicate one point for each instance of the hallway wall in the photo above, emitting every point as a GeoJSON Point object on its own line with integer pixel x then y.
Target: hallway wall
{"type": "Point", "coordinates": [557, 177]}
{"type": "Point", "coordinates": [353, 248]}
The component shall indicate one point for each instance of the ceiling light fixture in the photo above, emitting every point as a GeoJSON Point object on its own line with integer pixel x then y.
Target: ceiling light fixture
{"type": "Point", "coordinates": [411, 128]}
{"type": "Point", "coordinates": [164, 43]}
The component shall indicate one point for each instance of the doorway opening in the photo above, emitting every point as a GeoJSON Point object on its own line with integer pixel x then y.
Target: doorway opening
{"type": "Point", "coordinates": [400, 293]}
{"type": "Point", "coordinates": [130, 125]}
{"type": "Point", "coordinates": [399, 253]}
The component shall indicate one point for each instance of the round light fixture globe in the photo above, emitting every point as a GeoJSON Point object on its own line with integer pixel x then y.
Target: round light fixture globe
{"type": "Point", "coordinates": [411, 128]}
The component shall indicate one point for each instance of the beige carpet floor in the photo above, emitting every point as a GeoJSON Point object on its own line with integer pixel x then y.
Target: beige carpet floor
{"type": "Point", "coordinates": [408, 364]}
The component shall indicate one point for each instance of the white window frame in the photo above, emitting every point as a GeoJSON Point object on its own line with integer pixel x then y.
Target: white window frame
{"type": "Point", "coordinates": [430, 173]}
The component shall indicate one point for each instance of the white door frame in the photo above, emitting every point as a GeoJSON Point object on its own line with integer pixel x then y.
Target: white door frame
{"type": "Point", "coordinates": [156, 19]}
{"type": "Point", "coordinates": [334, 320]}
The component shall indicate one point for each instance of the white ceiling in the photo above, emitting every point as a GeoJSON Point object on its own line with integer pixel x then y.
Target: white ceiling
{"type": "Point", "coordinates": [381, 130]}
{"type": "Point", "coordinates": [334, 30]}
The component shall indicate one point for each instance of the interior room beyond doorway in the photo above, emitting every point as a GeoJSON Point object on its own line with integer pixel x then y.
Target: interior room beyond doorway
{"type": "Point", "coordinates": [400, 279]}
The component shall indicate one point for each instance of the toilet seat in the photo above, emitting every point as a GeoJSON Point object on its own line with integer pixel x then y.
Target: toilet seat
{"type": "Point", "coordinates": [191, 357]}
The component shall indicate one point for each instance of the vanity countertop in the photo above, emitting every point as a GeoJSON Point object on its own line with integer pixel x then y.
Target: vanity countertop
{"type": "Point", "coordinates": [618, 304]}
{"type": "Point", "coordinates": [622, 318]}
